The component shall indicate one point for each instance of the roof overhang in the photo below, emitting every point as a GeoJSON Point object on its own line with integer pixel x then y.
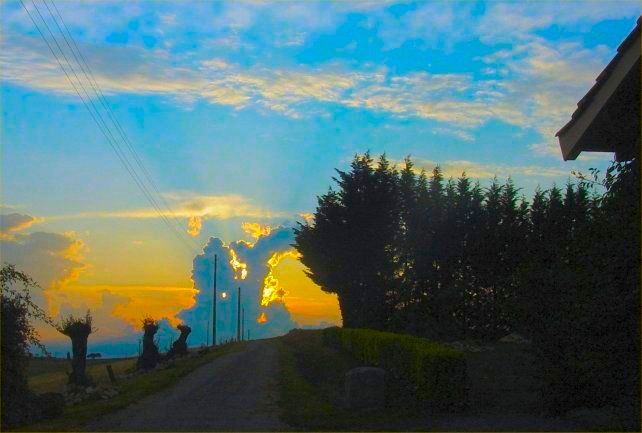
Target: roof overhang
{"type": "Point", "coordinates": [608, 116]}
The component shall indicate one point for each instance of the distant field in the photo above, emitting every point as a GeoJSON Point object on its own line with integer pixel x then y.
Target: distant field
{"type": "Point", "coordinates": [50, 374]}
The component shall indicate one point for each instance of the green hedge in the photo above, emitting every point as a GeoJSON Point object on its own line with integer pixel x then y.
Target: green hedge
{"type": "Point", "coordinates": [437, 372]}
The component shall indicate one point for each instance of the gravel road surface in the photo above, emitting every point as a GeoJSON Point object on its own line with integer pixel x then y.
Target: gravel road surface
{"type": "Point", "coordinates": [236, 392]}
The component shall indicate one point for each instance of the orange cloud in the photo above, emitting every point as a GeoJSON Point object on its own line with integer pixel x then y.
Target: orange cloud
{"type": "Point", "coordinates": [194, 225]}
{"type": "Point", "coordinates": [256, 230]}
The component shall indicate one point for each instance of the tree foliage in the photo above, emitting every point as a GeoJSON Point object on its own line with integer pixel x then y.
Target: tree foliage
{"type": "Point", "coordinates": [18, 334]}
{"type": "Point", "coordinates": [413, 253]}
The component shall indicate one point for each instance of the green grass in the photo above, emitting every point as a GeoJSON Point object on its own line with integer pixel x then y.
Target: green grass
{"type": "Point", "coordinates": [50, 374]}
{"type": "Point", "coordinates": [311, 384]}
{"type": "Point", "coordinates": [132, 389]}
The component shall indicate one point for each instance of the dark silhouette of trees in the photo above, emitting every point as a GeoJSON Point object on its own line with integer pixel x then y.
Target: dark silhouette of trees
{"type": "Point", "coordinates": [179, 347]}
{"type": "Point", "coordinates": [350, 249]}
{"type": "Point", "coordinates": [18, 334]}
{"type": "Point", "coordinates": [450, 260]}
{"type": "Point", "coordinates": [150, 356]}
{"type": "Point", "coordinates": [78, 330]}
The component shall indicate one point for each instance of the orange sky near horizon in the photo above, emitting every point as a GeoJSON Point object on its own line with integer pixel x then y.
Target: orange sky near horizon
{"type": "Point", "coordinates": [307, 303]}
{"type": "Point", "coordinates": [117, 307]}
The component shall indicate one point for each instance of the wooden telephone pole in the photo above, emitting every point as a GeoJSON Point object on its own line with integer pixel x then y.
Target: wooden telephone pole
{"type": "Point", "coordinates": [242, 323]}
{"type": "Point", "coordinates": [214, 303]}
{"type": "Point", "coordinates": [238, 316]}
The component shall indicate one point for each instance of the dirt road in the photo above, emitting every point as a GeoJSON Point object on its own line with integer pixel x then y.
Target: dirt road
{"type": "Point", "coordinates": [236, 392]}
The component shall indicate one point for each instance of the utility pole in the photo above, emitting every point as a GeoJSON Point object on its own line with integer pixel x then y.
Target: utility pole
{"type": "Point", "coordinates": [214, 303]}
{"type": "Point", "coordinates": [238, 316]}
{"type": "Point", "coordinates": [207, 339]}
{"type": "Point", "coordinates": [242, 323]}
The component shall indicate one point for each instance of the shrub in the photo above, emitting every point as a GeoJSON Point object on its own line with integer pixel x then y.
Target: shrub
{"type": "Point", "coordinates": [437, 372]}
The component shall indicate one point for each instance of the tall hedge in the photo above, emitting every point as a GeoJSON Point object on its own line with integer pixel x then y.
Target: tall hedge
{"type": "Point", "coordinates": [437, 372]}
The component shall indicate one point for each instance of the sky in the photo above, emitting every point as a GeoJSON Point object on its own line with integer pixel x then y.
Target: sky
{"type": "Point", "coordinates": [238, 113]}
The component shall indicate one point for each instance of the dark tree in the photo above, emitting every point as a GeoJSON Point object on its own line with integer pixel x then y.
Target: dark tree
{"type": "Point", "coordinates": [179, 347]}
{"type": "Point", "coordinates": [78, 330]}
{"type": "Point", "coordinates": [450, 261]}
{"type": "Point", "coordinates": [150, 356]}
{"type": "Point", "coordinates": [17, 335]}
{"type": "Point", "coordinates": [349, 249]}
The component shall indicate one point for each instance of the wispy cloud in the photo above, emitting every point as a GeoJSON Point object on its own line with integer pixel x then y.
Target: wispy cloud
{"type": "Point", "coordinates": [478, 170]}
{"type": "Point", "coordinates": [441, 97]}
{"type": "Point", "coordinates": [188, 205]}
{"type": "Point", "coordinates": [533, 84]}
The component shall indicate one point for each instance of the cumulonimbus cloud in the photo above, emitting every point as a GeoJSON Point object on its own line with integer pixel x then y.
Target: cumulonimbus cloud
{"type": "Point", "coordinates": [239, 264]}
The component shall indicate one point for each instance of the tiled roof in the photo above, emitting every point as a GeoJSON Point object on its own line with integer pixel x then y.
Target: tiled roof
{"type": "Point", "coordinates": [586, 100]}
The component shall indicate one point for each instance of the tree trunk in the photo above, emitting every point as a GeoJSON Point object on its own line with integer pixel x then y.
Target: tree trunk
{"type": "Point", "coordinates": [149, 358]}
{"type": "Point", "coordinates": [79, 360]}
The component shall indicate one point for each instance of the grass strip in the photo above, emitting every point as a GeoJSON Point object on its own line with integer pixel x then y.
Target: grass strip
{"type": "Point", "coordinates": [131, 390]}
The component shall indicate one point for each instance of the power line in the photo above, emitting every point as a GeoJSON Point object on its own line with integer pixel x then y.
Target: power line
{"type": "Point", "coordinates": [131, 169]}
{"type": "Point", "coordinates": [86, 69]}
{"type": "Point", "coordinates": [95, 114]}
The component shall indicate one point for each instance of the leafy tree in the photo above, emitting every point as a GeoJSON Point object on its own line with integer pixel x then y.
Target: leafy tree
{"type": "Point", "coordinates": [18, 333]}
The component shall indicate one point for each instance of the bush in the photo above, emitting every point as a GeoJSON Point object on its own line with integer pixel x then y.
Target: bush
{"type": "Point", "coordinates": [437, 372]}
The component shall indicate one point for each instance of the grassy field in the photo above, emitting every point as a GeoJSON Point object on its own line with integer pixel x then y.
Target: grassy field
{"type": "Point", "coordinates": [132, 389]}
{"type": "Point", "coordinates": [50, 374]}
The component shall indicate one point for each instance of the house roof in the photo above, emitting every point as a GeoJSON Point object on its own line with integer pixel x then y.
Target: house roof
{"type": "Point", "coordinates": [620, 68]}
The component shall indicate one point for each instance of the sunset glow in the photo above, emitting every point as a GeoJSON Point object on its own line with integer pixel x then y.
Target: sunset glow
{"type": "Point", "coordinates": [225, 121]}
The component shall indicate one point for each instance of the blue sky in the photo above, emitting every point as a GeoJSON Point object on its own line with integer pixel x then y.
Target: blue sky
{"type": "Point", "coordinates": [242, 110]}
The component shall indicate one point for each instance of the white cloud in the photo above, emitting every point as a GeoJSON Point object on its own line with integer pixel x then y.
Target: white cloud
{"type": "Point", "coordinates": [533, 84]}
{"type": "Point", "coordinates": [507, 21]}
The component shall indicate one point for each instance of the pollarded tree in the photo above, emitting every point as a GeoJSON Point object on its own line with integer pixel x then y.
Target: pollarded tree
{"type": "Point", "coordinates": [78, 330]}
{"type": "Point", "coordinates": [179, 347]}
{"type": "Point", "coordinates": [149, 358]}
